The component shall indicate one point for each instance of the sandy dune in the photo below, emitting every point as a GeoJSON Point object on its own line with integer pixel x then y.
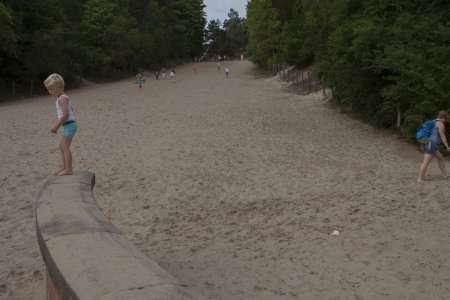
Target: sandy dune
{"type": "Point", "coordinates": [234, 185]}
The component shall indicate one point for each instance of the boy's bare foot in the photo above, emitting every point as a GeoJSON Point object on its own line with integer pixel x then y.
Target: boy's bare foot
{"type": "Point", "coordinates": [423, 180]}
{"type": "Point", "coordinates": [63, 173]}
{"type": "Point", "coordinates": [60, 170]}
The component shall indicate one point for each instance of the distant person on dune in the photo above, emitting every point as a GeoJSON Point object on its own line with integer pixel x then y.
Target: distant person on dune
{"type": "Point", "coordinates": [139, 80]}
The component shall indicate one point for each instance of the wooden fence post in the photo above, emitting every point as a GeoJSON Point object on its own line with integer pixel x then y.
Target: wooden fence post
{"type": "Point", "coordinates": [309, 82]}
{"type": "Point", "coordinates": [323, 86]}
{"type": "Point", "coordinates": [316, 84]}
{"type": "Point", "coordinates": [303, 81]}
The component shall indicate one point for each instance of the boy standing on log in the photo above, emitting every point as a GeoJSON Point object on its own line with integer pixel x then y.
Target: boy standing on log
{"type": "Point", "coordinates": [66, 118]}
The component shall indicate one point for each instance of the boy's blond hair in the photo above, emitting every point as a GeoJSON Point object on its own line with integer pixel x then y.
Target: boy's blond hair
{"type": "Point", "coordinates": [54, 80]}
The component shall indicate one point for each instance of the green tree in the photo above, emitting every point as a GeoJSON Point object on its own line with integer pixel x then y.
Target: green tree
{"type": "Point", "coordinates": [185, 22]}
{"type": "Point", "coordinates": [235, 34]}
{"type": "Point", "coordinates": [8, 37]}
{"type": "Point", "coordinates": [263, 30]}
{"type": "Point", "coordinates": [215, 38]}
{"type": "Point", "coordinates": [7, 34]}
{"type": "Point", "coordinates": [110, 35]}
{"type": "Point", "coordinates": [385, 60]}
{"type": "Point", "coordinates": [39, 48]}
{"type": "Point", "coordinates": [95, 37]}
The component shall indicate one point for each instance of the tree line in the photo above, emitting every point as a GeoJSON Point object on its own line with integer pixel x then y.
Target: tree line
{"type": "Point", "coordinates": [385, 60]}
{"type": "Point", "coordinates": [95, 38]}
{"type": "Point", "coordinates": [229, 38]}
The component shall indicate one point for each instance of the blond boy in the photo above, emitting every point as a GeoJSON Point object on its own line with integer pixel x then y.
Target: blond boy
{"type": "Point", "coordinates": [66, 118]}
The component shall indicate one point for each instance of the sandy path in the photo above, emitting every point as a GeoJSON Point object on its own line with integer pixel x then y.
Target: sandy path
{"type": "Point", "coordinates": [234, 185]}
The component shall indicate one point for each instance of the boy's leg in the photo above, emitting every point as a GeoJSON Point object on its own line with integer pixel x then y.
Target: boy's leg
{"type": "Point", "coordinates": [423, 168]}
{"type": "Point", "coordinates": [63, 163]}
{"type": "Point", "coordinates": [67, 156]}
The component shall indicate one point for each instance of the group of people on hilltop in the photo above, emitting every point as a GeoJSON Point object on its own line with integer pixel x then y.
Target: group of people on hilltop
{"type": "Point", "coordinates": [224, 57]}
{"type": "Point", "coordinates": [141, 79]}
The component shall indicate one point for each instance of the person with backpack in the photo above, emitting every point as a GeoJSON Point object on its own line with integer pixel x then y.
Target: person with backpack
{"type": "Point", "coordinates": [431, 143]}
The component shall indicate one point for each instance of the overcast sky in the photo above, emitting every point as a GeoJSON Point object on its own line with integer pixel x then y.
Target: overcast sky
{"type": "Point", "coordinates": [219, 9]}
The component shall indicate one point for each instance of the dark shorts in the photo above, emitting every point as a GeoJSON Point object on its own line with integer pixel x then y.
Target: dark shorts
{"type": "Point", "coordinates": [430, 148]}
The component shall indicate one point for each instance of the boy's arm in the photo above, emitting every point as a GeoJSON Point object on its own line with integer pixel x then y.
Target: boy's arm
{"type": "Point", "coordinates": [65, 107]}
{"type": "Point", "coordinates": [441, 128]}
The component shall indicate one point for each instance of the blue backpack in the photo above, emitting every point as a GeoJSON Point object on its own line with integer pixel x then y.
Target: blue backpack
{"type": "Point", "coordinates": [424, 132]}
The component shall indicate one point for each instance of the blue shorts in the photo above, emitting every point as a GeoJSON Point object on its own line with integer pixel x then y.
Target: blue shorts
{"type": "Point", "coordinates": [430, 148]}
{"type": "Point", "coordinates": [69, 130]}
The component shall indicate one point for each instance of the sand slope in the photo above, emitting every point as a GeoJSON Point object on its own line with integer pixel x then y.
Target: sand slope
{"type": "Point", "coordinates": [234, 185]}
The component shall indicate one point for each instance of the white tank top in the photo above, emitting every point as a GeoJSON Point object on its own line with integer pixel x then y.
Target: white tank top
{"type": "Point", "coordinates": [60, 111]}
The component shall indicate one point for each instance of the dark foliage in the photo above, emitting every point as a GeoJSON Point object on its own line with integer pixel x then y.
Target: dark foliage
{"type": "Point", "coordinates": [387, 61]}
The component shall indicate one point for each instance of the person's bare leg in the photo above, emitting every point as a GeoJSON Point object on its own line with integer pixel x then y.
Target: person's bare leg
{"type": "Point", "coordinates": [423, 168]}
{"type": "Point", "coordinates": [63, 165]}
{"type": "Point", "coordinates": [441, 164]}
{"type": "Point", "coordinates": [67, 157]}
